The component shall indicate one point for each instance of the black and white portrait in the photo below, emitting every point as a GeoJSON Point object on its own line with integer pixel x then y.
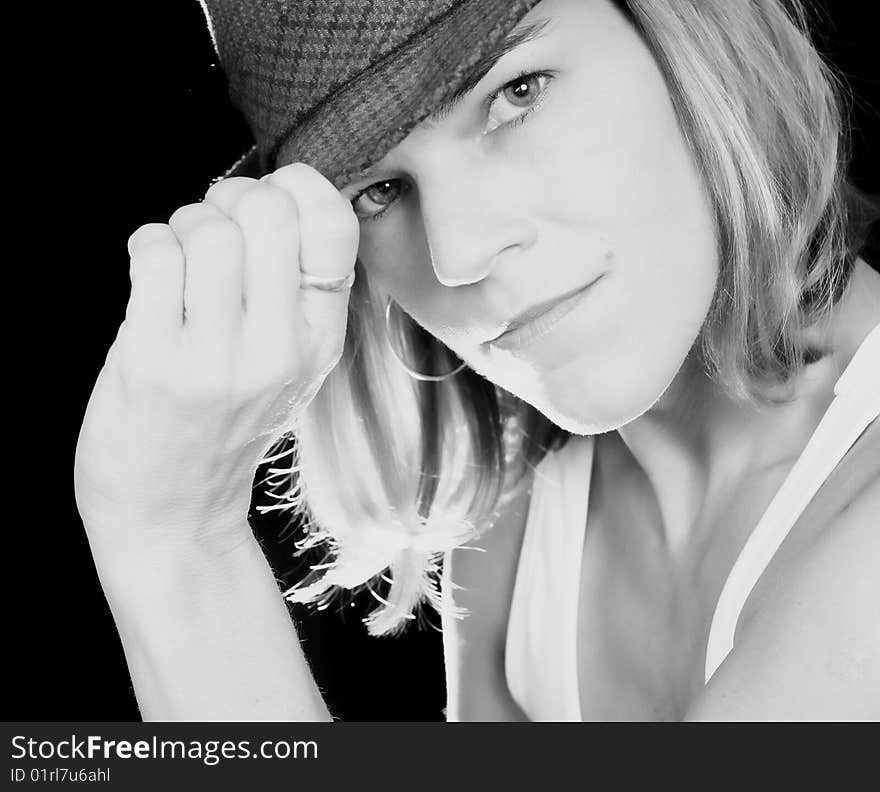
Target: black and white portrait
{"type": "Point", "coordinates": [463, 360]}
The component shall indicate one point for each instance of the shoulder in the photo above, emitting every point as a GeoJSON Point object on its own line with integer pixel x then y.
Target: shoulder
{"type": "Point", "coordinates": [480, 578]}
{"type": "Point", "coordinates": [812, 652]}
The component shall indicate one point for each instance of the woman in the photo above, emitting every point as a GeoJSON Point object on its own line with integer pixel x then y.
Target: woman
{"type": "Point", "coordinates": [627, 251]}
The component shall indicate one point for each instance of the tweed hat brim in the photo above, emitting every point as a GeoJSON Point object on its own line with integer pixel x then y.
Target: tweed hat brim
{"type": "Point", "coordinates": [365, 118]}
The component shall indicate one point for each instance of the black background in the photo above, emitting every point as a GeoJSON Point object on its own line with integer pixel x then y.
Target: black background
{"type": "Point", "coordinates": [121, 116]}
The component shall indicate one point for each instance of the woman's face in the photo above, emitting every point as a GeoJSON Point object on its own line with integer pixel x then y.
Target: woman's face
{"type": "Point", "coordinates": [534, 187]}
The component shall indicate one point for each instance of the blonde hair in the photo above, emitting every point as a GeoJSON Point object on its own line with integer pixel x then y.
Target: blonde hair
{"type": "Point", "coordinates": [389, 473]}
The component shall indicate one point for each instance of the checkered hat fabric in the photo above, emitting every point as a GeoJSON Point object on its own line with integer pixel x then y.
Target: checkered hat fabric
{"type": "Point", "coordinates": [338, 83]}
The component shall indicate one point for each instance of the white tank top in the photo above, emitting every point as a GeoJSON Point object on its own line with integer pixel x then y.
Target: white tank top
{"type": "Point", "coordinates": [541, 642]}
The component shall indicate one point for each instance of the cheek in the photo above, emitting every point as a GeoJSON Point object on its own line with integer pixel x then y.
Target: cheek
{"type": "Point", "coordinates": [643, 190]}
{"type": "Point", "coordinates": [667, 263]}
{"type": "Point", "coordinates": [397, 260]}
{"type": "Point", "coordinates": [623, 172]}
{"type": "Point", "coordinates": [395, 256]}
{"type": "Point", "coordinates": [664, 274]}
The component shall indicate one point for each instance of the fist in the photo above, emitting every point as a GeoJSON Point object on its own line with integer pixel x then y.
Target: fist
{"type": "Point", "coordinates": [221, 347]}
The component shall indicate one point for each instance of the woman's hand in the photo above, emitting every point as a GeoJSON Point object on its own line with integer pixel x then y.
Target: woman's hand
{"type": "Point", "coordinates": [219, 350]}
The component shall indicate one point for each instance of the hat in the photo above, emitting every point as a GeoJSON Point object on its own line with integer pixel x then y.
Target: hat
{"type": "Point", "coordinates": [339, 83]}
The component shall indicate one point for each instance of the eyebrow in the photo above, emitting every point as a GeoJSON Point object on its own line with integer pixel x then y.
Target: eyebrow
{"type": "Point", "coordinates": [517, 37]}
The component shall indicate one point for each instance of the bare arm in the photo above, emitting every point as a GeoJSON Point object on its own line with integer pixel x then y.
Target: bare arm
{"type": "Point", "coordinates": [222, 348]}
{"type": "Point", "coordinates": [210, 639]}
{"type": "Point", "coordinates": [813, 652]}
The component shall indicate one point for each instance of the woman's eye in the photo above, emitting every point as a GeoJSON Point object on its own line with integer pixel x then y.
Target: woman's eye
{"type": "Point", "coordinates": [517, 99]}
{"type": "Point", "coordinates": [371, 203]}
{"type": "Point", "coordinates": [509, 106]}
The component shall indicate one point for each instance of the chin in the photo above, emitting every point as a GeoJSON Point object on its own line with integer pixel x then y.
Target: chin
{"type": "Point", "coordinates": [594, 393]}
{"type": "Point", "coordinates": [601, 403]}
{"type": "Point", "coordinates": [581, 421]}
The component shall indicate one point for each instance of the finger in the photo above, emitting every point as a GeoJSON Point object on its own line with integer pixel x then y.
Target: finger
{"type": "Point", "coordinates": [226, 193]}
{"type": "Point", "coordinates": [269, 223]}
{"type": "Point", "coordinates": [155, 307]}
{"type": "Point", "coordinates": [329, 233]}
{"type": "Point", "coordinates": [212, 293]}
{"type": "Point", "coordinates": [329, 229]}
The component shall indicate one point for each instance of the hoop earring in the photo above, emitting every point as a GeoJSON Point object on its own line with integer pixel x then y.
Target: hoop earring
{"type": "Point", "coordinates": [412, 373]}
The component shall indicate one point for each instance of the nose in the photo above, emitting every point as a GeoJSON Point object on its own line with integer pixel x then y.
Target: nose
{"type": "Point", "coordinates": [473, 219]}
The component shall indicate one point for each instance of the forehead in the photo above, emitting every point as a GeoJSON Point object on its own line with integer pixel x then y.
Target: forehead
{"type": "Point", "coordinates": [533, 27]}
{"type": "Point", "coordinates": [571, 31]}
{"type": "Point", "coordinates": [526, 31]}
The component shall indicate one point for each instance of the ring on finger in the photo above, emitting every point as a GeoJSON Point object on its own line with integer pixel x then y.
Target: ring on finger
{"type": "Point", "coordinates": [308, 281]}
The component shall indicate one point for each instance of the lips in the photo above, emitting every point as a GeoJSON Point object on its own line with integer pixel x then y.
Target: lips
{"type": "Point", "coordinates": [538, 319]}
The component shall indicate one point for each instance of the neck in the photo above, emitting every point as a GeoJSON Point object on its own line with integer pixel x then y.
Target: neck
{"type": "Point", "coordinates": [698, 443]}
